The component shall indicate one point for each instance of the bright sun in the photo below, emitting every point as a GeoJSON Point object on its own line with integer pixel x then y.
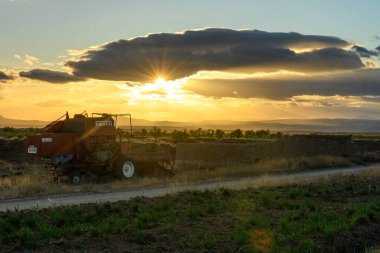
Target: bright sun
{"type": "Point", "coordinates": [160, 90]}
{"type": "Point", "coordinates": [160, 81]}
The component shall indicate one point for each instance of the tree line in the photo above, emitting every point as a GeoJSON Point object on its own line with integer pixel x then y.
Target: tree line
{"type": "Point", "coordinates": [184, 135]}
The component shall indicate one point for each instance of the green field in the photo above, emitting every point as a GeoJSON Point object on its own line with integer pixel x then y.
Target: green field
{"type": "Point", "coordinates": [337, 216]}
{"type": "Point", "coordinates": [10, 132]}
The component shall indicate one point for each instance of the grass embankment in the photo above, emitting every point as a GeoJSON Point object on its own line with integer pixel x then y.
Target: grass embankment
{"type": "Point", "coordinates": [37, 180]}
{"type": "Point", "coordinates": [338, 215]}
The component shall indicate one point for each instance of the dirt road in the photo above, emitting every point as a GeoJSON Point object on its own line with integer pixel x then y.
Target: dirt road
{"type": "Point", "coordinates": [90, 197]}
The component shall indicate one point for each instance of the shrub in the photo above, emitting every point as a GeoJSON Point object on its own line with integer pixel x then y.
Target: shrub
{"type": "Point", "coordinates": [262, 133]}
{"type": "Point", "coordinates": [8, 129]}
{"type": "Point", "coordinates": [219, 133]}
{"type": "Point", "coordinates": [156, 133]}
{"type": "Point", "coordinates": [238, 133]}
{"type": "Point", "coordinates": [179, 136]}
{"type": "Point", "coordinates": [249, 134]}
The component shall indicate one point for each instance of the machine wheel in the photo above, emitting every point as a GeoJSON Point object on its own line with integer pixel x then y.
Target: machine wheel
{"type": "Point", "coordinates": [125, 168]}
{"type": "Point", "coordinates": [75, 178]}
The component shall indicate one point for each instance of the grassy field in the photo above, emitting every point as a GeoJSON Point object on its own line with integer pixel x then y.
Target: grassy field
{"type": "Point", "coordinates": [37, 180]}
{"type": "Point", "coordinates": [335, 215]}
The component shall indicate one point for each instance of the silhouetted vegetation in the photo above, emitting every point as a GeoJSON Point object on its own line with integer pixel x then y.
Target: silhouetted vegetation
{"type": "Point", "coordinates": [219, 133]}
{"type": "Point", "coordinates": [183, 135]}
{"type": "Point", "coordinates": [11, 132]}
{"type": "Point", "coordinates": [238, 133]}
{"type": "Point", "coordinates": [179, 136]}
{"type": "Point", "coordinates": [156, 133]}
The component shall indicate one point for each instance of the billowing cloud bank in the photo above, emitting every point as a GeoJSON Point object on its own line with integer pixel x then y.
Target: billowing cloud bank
{"type": "Point", "coordinates": [50, 76]}
{"type": "Point", "coordinates": [174, 56]}
{"type": "Point", "coordinates": [178, 55]}
{"type": "Point", "coordinates": [335, 66]}
{"type": "Point", "coordinates": [355, 83]}
{"type": "Point", "coordinates": [4, 77]}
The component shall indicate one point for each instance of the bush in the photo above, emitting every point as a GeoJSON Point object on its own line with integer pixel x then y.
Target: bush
{"type": "Point", "coordinates": [249, 134]}
{"type": "Point", "coordinates": [8, 129]}
{"type": "Point", "coordinates": [202, 133]}
{"type": "Point", "coordinates": [156, 133]}
{"type": "Point", "coordinates": [219, 133]}
{"type": "Point", "coordinates": [238, 133]}
{"type": "Point", "coordinates": [179, 136]}
{"type": "Point", "coordinates": [262, 133]}
{"type": "Point", "coordinates": [141, 132]}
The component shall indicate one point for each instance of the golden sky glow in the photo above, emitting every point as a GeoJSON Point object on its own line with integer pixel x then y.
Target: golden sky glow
{"type": "Point", "coordinates": [200, 74]}
{"type": "Point", "coordinates": [164, 100]}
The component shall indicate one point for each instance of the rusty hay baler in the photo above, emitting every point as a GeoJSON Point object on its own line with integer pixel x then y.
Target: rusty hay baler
{"type": "Point", "coordinates": [88, 147]}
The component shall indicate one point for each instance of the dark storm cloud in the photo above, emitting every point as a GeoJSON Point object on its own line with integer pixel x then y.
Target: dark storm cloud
{"type": "Point", "coordinates": [4, 77]}
{"type": "Point", "coordinates": [364, 52]}
{"type": "Point", "coordinates": [50, 76]}
{"type": "Point", "coordinates": [356, 83]}
{"type": "Point", "coordinates": [174, 56]}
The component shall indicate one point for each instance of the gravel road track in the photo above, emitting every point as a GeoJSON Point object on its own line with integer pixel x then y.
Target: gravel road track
{"type": "Point", "coordinates": [99, 197]}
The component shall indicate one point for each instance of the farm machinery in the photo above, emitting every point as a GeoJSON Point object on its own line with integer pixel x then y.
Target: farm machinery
{"type": "Point", "coordinates": [85, 147]}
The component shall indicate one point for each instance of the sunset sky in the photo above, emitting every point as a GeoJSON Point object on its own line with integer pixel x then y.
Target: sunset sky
{"type": "Point", "coordinates": [190, 60]}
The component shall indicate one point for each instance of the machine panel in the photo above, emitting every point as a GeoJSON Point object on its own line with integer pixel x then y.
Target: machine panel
{"type": "Point", "coordinates": [48, 145]}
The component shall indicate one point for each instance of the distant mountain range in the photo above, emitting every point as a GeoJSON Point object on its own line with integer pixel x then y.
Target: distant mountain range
{"type": "Point", "coordinates": [313, 125]}
{"type": "Point", "coordinates": [19, 123]}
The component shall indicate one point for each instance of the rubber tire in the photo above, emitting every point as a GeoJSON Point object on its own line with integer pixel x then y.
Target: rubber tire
{"type": "Point", "coordinates": [75, 178]}
{"type": "Point", "coordinates": [125, 168]}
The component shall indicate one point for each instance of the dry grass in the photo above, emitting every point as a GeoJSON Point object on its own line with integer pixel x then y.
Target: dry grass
{"type": "Point", "coordinates": [37, 181]}
{"type": "Point", "coordinates": [264, 167]}
{"type": "Point", "coordinates": [374, 173]}
{"type": "Point", "coordinates": [266, 181]}
{"type": "Point", "coordinates": [9, 169]}
{"type": "Point", "coordinates": [37, 184]}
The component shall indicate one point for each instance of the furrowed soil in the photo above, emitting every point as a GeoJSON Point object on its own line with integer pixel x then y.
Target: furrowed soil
{"type": "Point", "coordinates": [340, 215]}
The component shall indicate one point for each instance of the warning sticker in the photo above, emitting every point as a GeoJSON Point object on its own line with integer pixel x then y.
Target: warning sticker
{"type": "Point", "coordinates": [103, 123]}
{"type": "Point", "coordinates": [32, 149]}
